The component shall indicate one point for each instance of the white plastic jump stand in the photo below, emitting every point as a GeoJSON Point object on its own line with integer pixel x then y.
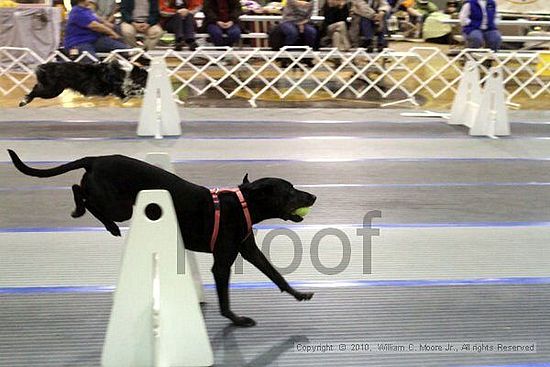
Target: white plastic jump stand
{"type": "Point", "coordinates": [466, 102]}
{"type": "Point", "coordinates": [156, 320]}
{"type": "Point", "coordinates": [159, 114]}
{"type": "Point", "coordinates": [163, 161]}
{"type": "Point", "coordinates": [492, 117]}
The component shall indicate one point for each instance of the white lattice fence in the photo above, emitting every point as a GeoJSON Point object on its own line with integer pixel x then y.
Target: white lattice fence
{"type": "Point", "coordinates": [296, 71]}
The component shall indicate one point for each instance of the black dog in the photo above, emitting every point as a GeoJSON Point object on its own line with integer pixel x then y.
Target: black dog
{"type": "Point", "coordinates": [110, 185]}
{"type": "Point", "coordinates": [123, 80]}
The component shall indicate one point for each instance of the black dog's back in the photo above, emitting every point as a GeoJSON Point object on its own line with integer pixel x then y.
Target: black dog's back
{"type": "Point", "coordinates": [111, 184]}
{"type": "Point", "coordinates": [88, 79]}
{"type": "Point", "coordinates": [123, 173]}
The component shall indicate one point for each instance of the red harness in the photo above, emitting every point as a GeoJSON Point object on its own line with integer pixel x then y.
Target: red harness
{"type": "Point", "coordinates": [216, 200]}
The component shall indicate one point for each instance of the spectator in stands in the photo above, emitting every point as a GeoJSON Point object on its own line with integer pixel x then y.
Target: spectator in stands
{"type": "Point", "coordinates": [452, 8]}
{"type": "Point", "coordinates": [478, 19]}
{"type": "Point", "coordinates": [140, 17]}
{"type": "Point", "coordinates": [177, 18]}
{"type": "Point", "coordinates": [195, 5]}
{"type": "Point", "coordinates": [415, 17]}
{"type": "Point", "coordinates": [295, 25]}
{"type": "Point", "coordinates": [334, 32]}
{"type": "Point", "coordinates": [87, 32]}
{"type": "Point", "coordinates": [368, 19]}
{"type": "Point", "coordinates": [222, 17]}
{"type": "Point", "coordinates": [106, 9]}
{"type": "Point", "coordinates": [425, 8]}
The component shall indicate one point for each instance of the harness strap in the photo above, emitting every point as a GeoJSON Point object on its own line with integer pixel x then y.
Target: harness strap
{"type": "Point", "coordinates": [217, 213]}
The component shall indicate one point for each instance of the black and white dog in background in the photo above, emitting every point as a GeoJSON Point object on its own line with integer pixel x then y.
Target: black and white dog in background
{"type": "Point", "coordinates": [119, 78]}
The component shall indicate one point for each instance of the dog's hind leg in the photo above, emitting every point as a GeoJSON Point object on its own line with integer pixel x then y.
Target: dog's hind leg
{"type": "Point", "coordinates": [80, 208]}
{"type": "Point", "coordinates": [109, 224]}
{"type": "Point", "coordinates": [27, 99]}
{"type": "Point", "coordinates": [40, 92]}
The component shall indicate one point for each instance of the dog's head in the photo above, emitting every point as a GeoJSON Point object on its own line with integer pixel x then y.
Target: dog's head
{"type": "Point", "coordinates": [275, 198]}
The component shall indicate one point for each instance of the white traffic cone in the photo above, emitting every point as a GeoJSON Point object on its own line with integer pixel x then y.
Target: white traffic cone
{"type": "Point", "coordinates": [466, 101]}
{"type": "Point", "coordinates": [159, 114]}
{"type": "Point", "coordinates": [492, 117]}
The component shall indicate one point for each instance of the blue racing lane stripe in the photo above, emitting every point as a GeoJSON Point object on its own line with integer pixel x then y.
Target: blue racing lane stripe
{"type": "Point", "coordinates": [413, 120]}
{"type": "Point", "coordinates": [264, 137]}
{"type": "Point", "coordinates": [309, 226]}
{"type": "Point", "coordinates": [527, 364]}
{"type": "Point", "coordinates": [344, 160]}
{"type": "Point", "coordinates": [403, 185]}
{"type": "Point", "coordinates": [313, 284]}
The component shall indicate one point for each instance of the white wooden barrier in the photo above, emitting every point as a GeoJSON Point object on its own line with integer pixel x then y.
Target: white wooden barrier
{"type": "Point", "coordinates": [483, 111]}
{"type": "Point", "coordinates": [466, 102]}
{"type": "Point", "coordinates": [159, 114]}
{"type": "Point", "coordinates": [163, 161]}
{"type": "Point", "coordinates": [492, 116]}
{"type": "Point", "coordinates": [156, 318]}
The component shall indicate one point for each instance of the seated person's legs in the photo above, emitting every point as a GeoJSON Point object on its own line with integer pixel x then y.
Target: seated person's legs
{"type": "Point", "coordinates": [290, 32]}
{"type": "Point", "coordinates": [183, 29]}
{"type": "Point", "coordinates": [381, 30]}
{"type": "Point", "coordinates": [417, 19]}
{"type": "Point", "coordinates": [387, 17]}
{"type": "Point", "coordinates": [493, 40]}
{"type": "Point", "coordinates": [107, 44]}
{"type": "Point", "coordinates": [216, 34]}
{"type": "Point", "coordinates": [174, 24]}
{"type": "Point", "coordinates": [152, 36]}
{"type": "Point", "coordinates": [367, 32]}
{"type": "Point", "coordinates": [233, 35]}
{"type": "Point", "coordinates": [129, 34]}
{"type": "Point", "coordinates": [310, 35]}
{"type": "Point", "coordinates": [474, 39]}
{"type": "Point", "coordinates": [189, 31]}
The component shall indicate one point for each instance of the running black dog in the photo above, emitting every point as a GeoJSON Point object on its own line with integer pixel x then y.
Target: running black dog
{"type": "Point", "coordinates": [110, 185]}
{"type": "Point", "coordinates": [121, 79]}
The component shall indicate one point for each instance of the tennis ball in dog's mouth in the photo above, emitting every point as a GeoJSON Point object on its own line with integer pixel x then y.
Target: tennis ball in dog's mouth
{"type": "Point", "coordinates": [302, 212]}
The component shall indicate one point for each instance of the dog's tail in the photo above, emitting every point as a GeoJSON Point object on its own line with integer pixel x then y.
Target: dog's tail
{"type": "Point", "coordinates": [80, 163]}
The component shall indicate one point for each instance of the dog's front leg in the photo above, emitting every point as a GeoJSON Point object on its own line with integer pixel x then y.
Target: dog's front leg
{"type": "Point", "coordinates": [253, 255]}
{"type": "Point", "coordinates": [221, 271]}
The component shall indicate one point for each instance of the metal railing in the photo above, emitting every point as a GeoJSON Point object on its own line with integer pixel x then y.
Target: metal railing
{"type": "Point", "coordinates": [388, 76]}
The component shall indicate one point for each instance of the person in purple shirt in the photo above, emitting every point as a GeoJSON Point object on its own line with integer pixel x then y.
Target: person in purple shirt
{"type": "Point", "coordinates": [85, 31]}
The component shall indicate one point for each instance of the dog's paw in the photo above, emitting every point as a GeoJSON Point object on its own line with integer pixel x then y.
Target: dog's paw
{"type": "Point", "coordinates": [78, 212]}
{"type": "Point", "coordinates": [23, 103]}
{"type": "Point", "coordinates": [303, 296]}
{"type": "Point", "coordinates": [114, 230]}
{"type": "Point", "coordinates": [243, 321]}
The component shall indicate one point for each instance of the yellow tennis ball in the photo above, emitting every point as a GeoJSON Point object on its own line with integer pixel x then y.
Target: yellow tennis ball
{"type": "Point", "coordinates": [302, 212]}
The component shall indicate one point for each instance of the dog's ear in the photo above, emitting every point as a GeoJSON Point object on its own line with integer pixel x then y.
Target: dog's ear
{"type": "Point", "coordinates": [245, 179]}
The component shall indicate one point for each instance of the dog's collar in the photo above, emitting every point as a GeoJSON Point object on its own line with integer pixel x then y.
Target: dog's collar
{"type": "Point", "coordinates": [217, 214]}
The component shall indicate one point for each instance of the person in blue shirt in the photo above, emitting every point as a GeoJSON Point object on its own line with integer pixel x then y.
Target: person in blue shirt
{"type": "Point", "coordinates": [85, 31]}
{"type": "Point", "coordinates": [478, 19]}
